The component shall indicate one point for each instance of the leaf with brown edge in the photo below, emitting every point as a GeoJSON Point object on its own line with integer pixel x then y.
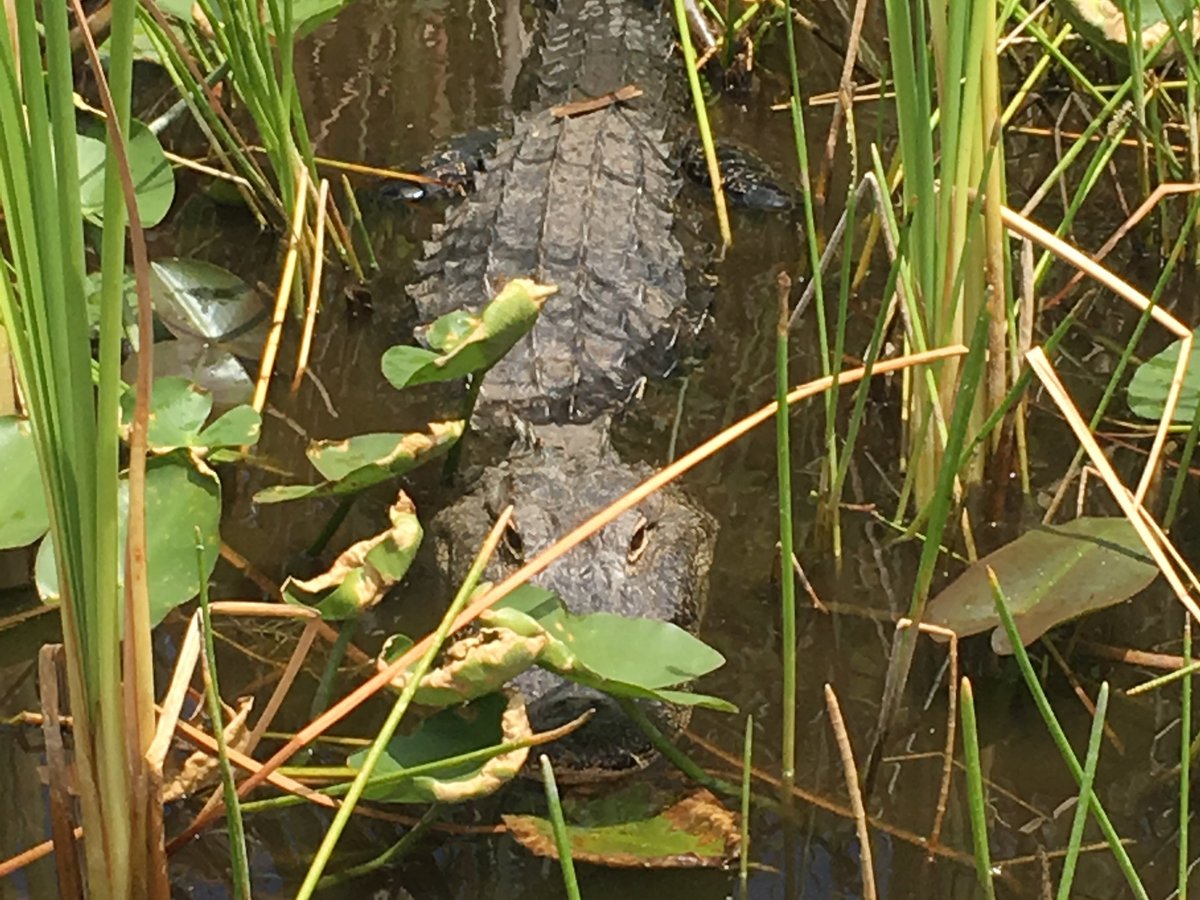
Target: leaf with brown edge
{"type": "Point", "coordinates": [631, 828]}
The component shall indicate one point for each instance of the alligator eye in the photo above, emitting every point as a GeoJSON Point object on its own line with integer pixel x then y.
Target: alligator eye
{"type": "Point", "coordinates": [640, 539]}
{"type": "Point", "coordinates": [512, 545]}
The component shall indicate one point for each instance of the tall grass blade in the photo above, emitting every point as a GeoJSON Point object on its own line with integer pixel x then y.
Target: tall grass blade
{"type": "Point", "coordinates": [239, 867]}
{"type": "Point", "coordinates": [787, 575]}
{"type": "Point", "coordinates": [744, 838]}
{"type": "Point", "coordinates": [976, 796]}
{"type": "Point", "coordinates": [562, 840]}
{"type": "Point", "coordinates": [1060, 740]}
{"type": "Point", "coordinates": [1085, 795]}
{"type": "Point", "coordinates": [399, 708]}
{"type": "Point", "coordinates": [1185, 762]}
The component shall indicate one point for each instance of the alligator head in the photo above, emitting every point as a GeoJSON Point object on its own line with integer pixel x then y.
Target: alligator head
{"type": "Point", "coordinates": [651, 562]}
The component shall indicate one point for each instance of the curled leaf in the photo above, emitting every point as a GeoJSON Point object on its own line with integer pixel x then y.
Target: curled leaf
{"type": "Point", "coordinates": [479, 664]}
{"type": "Point", "coordinates": [468, 343]}
{"type": "Point", "coordinates": [361, 575]}
{"type": "Point", "coordinates": [487, 722]}
{"type": "Point", "coordinates": [357, 463]}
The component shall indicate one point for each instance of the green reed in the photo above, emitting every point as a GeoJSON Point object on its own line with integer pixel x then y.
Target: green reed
{"type": "Point", "coordinates": [74, 415]}
{"type": "Point", "coordinates": [1060, 740]}
{"type": "Point", "coordinates": [562, 840]}
{"type": "Point", "coordinates": [976, 792]}
{"type": "Point", "coordinates": [1095, 739]}
{"type": "Point", "coordinates": [239, 866]}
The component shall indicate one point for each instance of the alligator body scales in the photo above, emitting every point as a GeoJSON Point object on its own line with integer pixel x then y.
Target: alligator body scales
{"type": "Point", "coordinates": [584, 203]}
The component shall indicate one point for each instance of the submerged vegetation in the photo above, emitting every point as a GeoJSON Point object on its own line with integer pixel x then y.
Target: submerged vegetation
{"type": "Point", "coordinates": [959, 253]}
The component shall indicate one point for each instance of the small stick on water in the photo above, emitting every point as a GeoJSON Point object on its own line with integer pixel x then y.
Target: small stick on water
{"type": "Point", "coordinates": [856, 801]}
{"type": "Point", "coordinates": [593, 104]}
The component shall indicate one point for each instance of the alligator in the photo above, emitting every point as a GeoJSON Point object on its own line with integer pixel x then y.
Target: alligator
{"type": "Point", "coordinates": [583, 202]}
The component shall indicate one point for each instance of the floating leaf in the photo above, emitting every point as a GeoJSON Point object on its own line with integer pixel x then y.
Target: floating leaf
{"type": "Point", "coordinates": [503, 322]}
{"type": "Point", "coordinates": [359, 462]}
{"type": "Point", "coordinates": [179, 499]}
{"type": "Point", "coordinates": [153, 178]}
{"type": "Point", "coordinates": [361, 575]}
{"type": "Point", "coordinates": [626, 656]}
{"type": "Point", "coordinates": [211, 368]}
{"type": "Point", "coordinates": [1102, 22]}
{"type": "Point", "coordinates": [487, 722]}
{"type": "Point", "coordinates": [630, 828]}
{"type": "Point", "coordinates": [178, 411]}
{"type": "Point", "coordinates": [198, 300]}
{"type": "Point", "coordinates": [23, 516]}
{"type": "Point", "coordinates": [1049, 575]}
{"type": "Point", "coordinates": [1147, 393]}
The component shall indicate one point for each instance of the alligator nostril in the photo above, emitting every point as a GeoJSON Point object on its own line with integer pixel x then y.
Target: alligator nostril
{"type": "Point", "coordinates": [639, 540]}
{"type": "Point", "coordinates": [512, 544]}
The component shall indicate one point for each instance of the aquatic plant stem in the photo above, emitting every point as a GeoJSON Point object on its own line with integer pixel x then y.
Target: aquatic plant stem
{"type": "Point", "coordinates": [562, 841]}
{"type": "Point", "coordinates": [430, 649]}
{"type": "Point", "coordinates": [976, 796]}
{"type": "Point", "coordinates": [1060, 738]}
{"type": "Point", "coordinates": [706, 138]}
{"type": "Point", "coordinates": [388, 856]}
{"type": "Point", "coordinates": [1085, 795]}
{"type": "Point", "coordinates": [543, 560]}
{"type": "Point", "coordinates": [744, 841]}
{"type": "Point", "coordinates": [238, 864]}
{"type": "Point", "coordinates": [787, 574]}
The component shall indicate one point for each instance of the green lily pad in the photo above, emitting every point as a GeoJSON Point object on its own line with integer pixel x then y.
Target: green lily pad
{"type": "Point", "coordinates": [1049, 575]}
{"type": "Point", "coordinates": [1147, 392]}
{"type": "Point", "coordinates": [200, 301]}
{"type": "Point", "coordinates": [179, 499]}
{"type": "Point", "coordinates": [486, 722]}
{"type": "Point", "coordinates": [23, 515]}
{"type": "Point", "coordinates": [630, 828]}
{"type": "Point", "coordinates": [360, 462]}
{"type": "Point", "coordinates": [625, 656]}
{"type": "Point", "coordinates": [1102, 22]}
{"type": "Point", "coordinates": [469, 344]}
{"type": "Point", "coordinates": [361, 575]}
{"type": "Point", "coordinates": [178, 411]}
{"type": "Point", "coordinates": [153, 177]}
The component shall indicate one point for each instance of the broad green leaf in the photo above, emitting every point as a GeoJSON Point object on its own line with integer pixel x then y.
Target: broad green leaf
{"type": "Point", "coordinates": [1049, 575]}
{"type": "Point", "coordinates": [178, 411]}
{"type": "Point", "coordinates": [1147, 393]}
{"type": "Point", "coordinates": [630, 827]}
{"type": "Point", "coordinates": [503, 322]}
{"type": "Point", "coordinates": [153, 178]}
{"type": "Point", "coordinates": [360, 467]}
{"type": "Point", "coordinates": [627, 656]}
{"type": "Point", "coordinates": [1102, 22]}
{"type": "Point", "coordinates": [449, 331]}
{"type": "Point", "coordinates": [179, 499]}
{"type": "Point", "coordinates": [23, 516]}
{"type": "Point", "coordinates": [361, 575]}
{"type": "Point", "coordinates": [484, 723]}
{"type": "Point", "coordinates": [198, 300]}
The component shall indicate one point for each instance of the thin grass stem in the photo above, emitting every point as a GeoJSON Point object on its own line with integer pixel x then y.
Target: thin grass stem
{"type": "Point", "coordinates": [1095, 740]}
{"type": "Point", "coordinates": [562, 840]}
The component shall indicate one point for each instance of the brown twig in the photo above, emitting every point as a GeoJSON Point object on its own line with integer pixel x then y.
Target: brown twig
{"type": "Point", "coordinates": [314, 287]}
{"type": "Point", "coordinates": [850, 770]}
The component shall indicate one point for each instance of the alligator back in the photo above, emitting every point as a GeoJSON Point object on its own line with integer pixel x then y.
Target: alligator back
{"type": "Point", "coordinates": [584, 203]}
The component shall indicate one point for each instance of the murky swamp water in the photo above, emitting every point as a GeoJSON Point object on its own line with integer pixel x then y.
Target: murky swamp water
{"type": "Point", "coordinates": [385, 83]}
